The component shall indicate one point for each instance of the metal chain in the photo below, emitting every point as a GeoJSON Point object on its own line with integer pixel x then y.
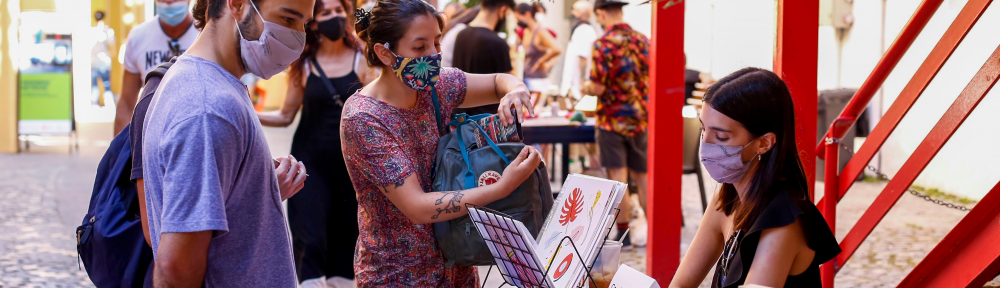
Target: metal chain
{"type": "Point", "coordinates": [882, 176]}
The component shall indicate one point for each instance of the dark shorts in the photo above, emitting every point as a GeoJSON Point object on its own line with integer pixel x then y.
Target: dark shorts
{"type": "Point", "coordinates": [618, 151]}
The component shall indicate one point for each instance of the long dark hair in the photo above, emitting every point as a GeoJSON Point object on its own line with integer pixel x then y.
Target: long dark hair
{"type": "Point", "coordinates": [388, 22]}
{"type": "Point", "coordinates": [760, 101]}
{"type": "Point", "coordinates": [313, 37]}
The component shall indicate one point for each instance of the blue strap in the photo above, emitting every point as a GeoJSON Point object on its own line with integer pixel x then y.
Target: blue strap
{"type": "Point", "coordinates": [462, 119]}
{"type": "Point", "coordinates": [470, 176]}
{"type": "Point", "coordinates": [492, 145]}
{"type": "Point", "coordinates": [437, 110]}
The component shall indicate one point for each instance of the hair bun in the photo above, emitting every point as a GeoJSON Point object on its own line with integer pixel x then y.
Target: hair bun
{"type": "Point", "coordinates": [364, 19]}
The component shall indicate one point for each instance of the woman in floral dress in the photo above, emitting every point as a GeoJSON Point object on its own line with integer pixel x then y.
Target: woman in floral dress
{"type": "Point", "coordinates": [390, 133]}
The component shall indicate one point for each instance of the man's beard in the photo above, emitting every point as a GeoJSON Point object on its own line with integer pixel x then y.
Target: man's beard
{"type": "Point", "coordinates": [248, 28]}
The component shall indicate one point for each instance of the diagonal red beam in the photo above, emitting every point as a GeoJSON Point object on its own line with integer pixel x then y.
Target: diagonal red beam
{"type": "Point", "coordinates": [931, 66]}
{"type": "Point", "coordinates": [939, 135]}
{"type": "Point", "coordinates": [969, 256]}
{"type": "Point", "coordinates": [885, 65]}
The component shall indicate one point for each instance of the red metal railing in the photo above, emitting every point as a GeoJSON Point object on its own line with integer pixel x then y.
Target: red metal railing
{"type": "Point", "coordinates": [969, 255]}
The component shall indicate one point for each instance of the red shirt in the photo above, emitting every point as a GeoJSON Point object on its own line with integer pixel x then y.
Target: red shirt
{"type": "Point", "coordinates": [620, 62]}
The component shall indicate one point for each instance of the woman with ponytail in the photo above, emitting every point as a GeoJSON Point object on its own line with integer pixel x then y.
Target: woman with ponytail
{"type": "Point", "coordinates": [390, 132]}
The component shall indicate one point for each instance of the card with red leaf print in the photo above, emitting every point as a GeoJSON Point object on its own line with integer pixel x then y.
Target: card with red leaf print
{"type": "Point", "coordinates": [584, 211]}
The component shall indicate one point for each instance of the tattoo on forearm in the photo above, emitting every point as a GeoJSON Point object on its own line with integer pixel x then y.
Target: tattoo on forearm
{"type": "Point", "coordinates": [451, 204]}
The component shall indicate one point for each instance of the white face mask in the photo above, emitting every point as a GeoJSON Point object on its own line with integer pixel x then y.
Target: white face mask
{"type": "Point", "coordinates": [540, 17]}
{"type": "Point", "coordinates": [277, 47]}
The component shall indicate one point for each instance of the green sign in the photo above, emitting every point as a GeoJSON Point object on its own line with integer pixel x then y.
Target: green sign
{"type": "Point", "coordinates": [45, 103]}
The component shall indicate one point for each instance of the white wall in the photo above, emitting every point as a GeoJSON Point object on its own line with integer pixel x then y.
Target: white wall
{"type": "Point", "coordinates": [722, 36]}
{"type": "Point", "coordinates": [965, 166]}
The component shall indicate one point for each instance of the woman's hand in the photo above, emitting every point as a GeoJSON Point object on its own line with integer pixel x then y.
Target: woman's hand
{"type": "Point", "coordinates": [520, 168]}
{"type": "Point", "coordinates": [520, 99]}
{"type": "Point", "coordinates": [538, 65]}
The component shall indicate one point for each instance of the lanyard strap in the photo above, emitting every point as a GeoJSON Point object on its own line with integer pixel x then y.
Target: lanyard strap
{"type": "Point", "coordinates": [326, 81]}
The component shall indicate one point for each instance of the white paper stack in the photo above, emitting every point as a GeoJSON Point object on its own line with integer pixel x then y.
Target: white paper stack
{"type": "Point", "coordinates": [584, 212]}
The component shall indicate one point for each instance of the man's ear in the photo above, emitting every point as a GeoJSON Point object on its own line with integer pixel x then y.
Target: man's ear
{"type": "Point", "coordinates": [236, 8]}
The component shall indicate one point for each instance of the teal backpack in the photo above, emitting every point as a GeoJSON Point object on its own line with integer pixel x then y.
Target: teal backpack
{"type": "Point", "coordinates": [464, 162]}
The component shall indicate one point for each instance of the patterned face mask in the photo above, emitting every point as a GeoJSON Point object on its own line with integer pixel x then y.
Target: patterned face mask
{"type": "Point", "coordinates": [418, 73]}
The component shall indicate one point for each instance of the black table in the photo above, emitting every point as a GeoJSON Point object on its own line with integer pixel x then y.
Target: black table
{"type": "Point", "coordinates": [558, 131]}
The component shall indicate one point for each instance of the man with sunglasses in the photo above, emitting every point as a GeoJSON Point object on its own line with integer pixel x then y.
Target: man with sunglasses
{"type": "Point", "coordinates": [168, 34]}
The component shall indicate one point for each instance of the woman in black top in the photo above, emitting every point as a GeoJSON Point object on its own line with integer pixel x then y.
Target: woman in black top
{"type": "Point", "coordinates": [323, 215]}
{"type": "Point", "coordinates": [764, 226]}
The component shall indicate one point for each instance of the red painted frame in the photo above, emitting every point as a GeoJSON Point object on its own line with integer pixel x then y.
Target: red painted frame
{"type": "Point", "coordinates": [666, 130]}
{"type": "Point", "coordinates": [828, 270]}
{"type": "Point", "coordinates": [892, 56]}
{"type": "Point", "coordinates": [913, 89]}
{"type": "Point", "coordinates": [795, 61]}
{"type": "Point", "coordinates": [969, 256]}
{"type": "Point", "coordinates": [928, 148]}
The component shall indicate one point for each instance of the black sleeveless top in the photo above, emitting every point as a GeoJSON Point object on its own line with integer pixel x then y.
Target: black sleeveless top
{"type": "Point", "coordinates": [319, 125]}
{"type": "Point", "coordinates": [787, 206]}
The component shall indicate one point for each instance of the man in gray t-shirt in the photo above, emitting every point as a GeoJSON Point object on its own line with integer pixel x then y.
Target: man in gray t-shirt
{"type": "Point", "coordinates": [213, 194]}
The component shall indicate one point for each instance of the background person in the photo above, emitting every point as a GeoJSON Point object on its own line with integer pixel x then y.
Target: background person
{"type": "Point", "coordinates": [620, 80]}
{"type": "Point", "coordinates": [390, 135]}
{"type": "Point", "coordinates": [479, 49]}
{"type": "Point", "coordinates": [323, 217]}
{"type": "Point", "coordinates": [763, 223]}
{"type": "Point", "coordinates": [168, 34]}
{"type": "Point", "coordinates": [540, 51]}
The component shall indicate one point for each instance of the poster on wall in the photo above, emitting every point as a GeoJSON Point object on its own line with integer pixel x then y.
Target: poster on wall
{"type": "Point", "coordinates": [45, 80]}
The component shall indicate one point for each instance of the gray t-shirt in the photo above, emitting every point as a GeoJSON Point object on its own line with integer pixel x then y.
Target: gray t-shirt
{"type": "Point", "coordinates": [208, 168]}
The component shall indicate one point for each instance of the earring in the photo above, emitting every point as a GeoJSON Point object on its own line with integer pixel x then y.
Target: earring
{"type": "Point", "coordinates": [758, 157]}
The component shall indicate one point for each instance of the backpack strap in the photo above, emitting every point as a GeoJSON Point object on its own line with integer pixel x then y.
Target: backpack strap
{"type": "Point", "coordinates": [160, 70]}
{"type": "Point", "coordinates": [462, 119]}
{"type": "Point", "coordinates": [437, 112]}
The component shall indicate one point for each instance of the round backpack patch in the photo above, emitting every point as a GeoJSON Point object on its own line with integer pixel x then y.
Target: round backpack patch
{"type": "Point", "coordinates": [489, 178]}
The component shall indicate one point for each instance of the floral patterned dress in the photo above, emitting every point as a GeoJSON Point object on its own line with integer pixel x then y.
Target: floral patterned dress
{"type": "Point", "coordinates": [382, 146]}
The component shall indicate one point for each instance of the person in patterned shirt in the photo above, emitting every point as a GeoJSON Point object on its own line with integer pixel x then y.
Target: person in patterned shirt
{"type": "Point", "coordinates": [389, 136]}
{"type": "Point", "coordinates": [620, 79]}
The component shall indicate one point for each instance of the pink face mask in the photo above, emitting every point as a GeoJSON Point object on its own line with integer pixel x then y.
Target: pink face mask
{"type": "Point", "coordinates": [724, 163]}
{"type": "Point", "coordinates": [277, 47]}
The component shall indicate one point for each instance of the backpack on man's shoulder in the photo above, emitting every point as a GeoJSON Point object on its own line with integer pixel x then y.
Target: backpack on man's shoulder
{"type": "Point", "coordinates": [110, 242]}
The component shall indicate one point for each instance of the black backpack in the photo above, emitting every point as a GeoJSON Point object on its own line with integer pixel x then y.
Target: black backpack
{"type": "Point", "coordinates": [110, 242]}
{"type": "Point", "coordinates": [459, 166]}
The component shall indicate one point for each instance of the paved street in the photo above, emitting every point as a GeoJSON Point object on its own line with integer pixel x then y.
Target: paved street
{"type": "Point", "coordinates": [44, 194]}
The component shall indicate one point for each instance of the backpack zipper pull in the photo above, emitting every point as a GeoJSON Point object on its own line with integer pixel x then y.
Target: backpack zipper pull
{"type": "Point", "coordinates": [468, 229]}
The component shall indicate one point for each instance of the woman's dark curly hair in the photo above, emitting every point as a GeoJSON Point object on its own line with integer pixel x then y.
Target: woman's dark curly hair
{"type": "Point", "coordinates": [387, 23]}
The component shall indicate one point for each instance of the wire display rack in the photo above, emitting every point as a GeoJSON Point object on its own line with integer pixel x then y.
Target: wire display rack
{"type": "Point", "coordinates": [530, 276]}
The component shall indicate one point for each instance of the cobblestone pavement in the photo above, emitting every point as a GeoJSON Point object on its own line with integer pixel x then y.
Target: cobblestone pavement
{"type": "Point", "coordinates": [36, 248]}
{"type": "Point", "coordinates": [43, 195]}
